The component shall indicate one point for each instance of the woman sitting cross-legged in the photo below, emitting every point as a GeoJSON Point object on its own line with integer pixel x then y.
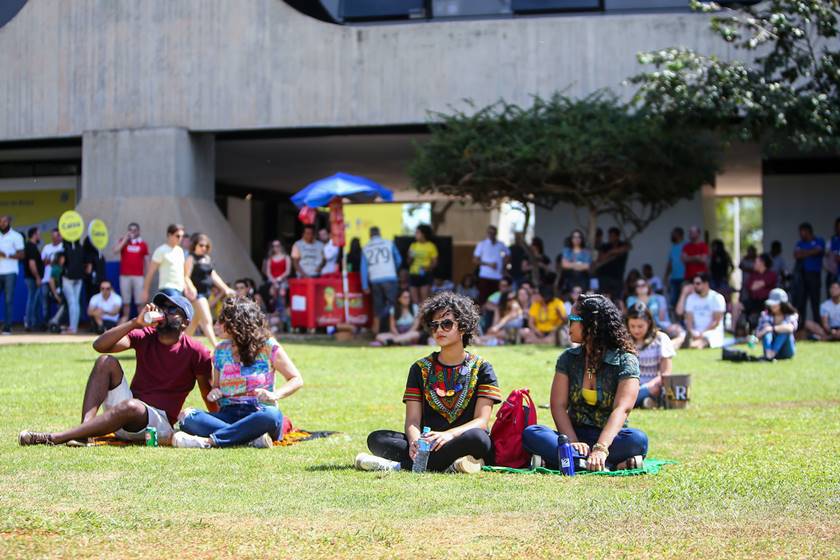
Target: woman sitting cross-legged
{"type": "Point", "coordinates": [451, 391]}
{"type": "Point", "coordinates": [244, 366]}
{"type": "Point", "coordinates": [594, 389]}
{"type": "Point", "coordinates": [404, 321]}
{"type": "Point", "coordinates": [655, 353]}
{"type": "Point", "coordinates": [777, 325]}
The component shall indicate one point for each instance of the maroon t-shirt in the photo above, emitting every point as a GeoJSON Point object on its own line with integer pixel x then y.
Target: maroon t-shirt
{"type": "Point", "coordinates": [165, 375]}
{"type": "Point", "coordinates": [770, 282]}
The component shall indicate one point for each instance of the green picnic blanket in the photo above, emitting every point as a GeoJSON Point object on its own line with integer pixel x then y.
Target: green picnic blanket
{"type": "Point", "coordinates": [652, 466]}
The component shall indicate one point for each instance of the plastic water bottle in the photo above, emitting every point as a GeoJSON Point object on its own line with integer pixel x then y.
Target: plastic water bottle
{"type": "Point", "coordinates": [565, 455]}
{"type": "Point", "coordinates": [424, 448]}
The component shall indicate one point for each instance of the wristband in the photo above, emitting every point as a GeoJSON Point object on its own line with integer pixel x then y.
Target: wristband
{"type": "Point", "coordinates": [601, 447]}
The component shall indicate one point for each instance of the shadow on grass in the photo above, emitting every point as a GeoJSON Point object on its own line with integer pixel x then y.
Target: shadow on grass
{"type": "Point", "coordinates": [331, 467]}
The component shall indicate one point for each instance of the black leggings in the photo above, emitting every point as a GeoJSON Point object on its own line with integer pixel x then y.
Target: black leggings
{"type": "Point", "coordinates": [394, 446]}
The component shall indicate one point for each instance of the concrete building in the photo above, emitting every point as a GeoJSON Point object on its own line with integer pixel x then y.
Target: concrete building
{"type": "Point", "coordinates": [211, 112]}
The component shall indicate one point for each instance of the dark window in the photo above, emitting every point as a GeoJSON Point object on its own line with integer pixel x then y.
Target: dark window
{"type": "Point", "coordinates": [9, 9]}
{"type": "Point", "coordinates": [548, 6]}
{"type": "Point", "coordinates": [371, 10]}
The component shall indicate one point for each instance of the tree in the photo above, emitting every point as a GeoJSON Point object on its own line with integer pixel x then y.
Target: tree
{"type": "Point", "coordinates": [592, 153]}
{"type": "Point", "coordinates": [788, 94]}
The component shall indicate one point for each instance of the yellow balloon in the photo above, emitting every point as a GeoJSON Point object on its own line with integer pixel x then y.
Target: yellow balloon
{"type": "Point", "coordinates": [71, 226]}
{"type": "Point", "coordinates": [98, 233]}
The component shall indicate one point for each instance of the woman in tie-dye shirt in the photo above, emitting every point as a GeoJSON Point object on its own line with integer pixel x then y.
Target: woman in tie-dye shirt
{"type": "Point", "coordinates": [244, 367]}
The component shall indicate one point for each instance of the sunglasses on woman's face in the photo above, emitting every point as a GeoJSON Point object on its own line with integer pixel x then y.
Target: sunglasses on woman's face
{"type": "Point", "coordinates": [446, 325]}
{"type": "Point", "coordinates": [575, 318]}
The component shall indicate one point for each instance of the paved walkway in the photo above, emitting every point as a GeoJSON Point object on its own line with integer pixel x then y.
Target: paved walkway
{"type": "Point", "coordinates": [45, 338]}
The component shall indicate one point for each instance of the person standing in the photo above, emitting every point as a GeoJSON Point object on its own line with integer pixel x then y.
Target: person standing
{"type": "Point", "coordinates": [518, 259]}
{"type": "Point", "coordinates": [71, 282]}
{"type": "Point", "coordinates": [832, 262]}
{"type": "Point", "coordinates": [379, 264]}
{"type": "Point", "coordinates": [11, 251]}
{"type": "Point", "coordinates": [611, 263]}
{"type": "Point", "coordinates": [491, 257]}
{"type": "Point", "coordinates": [201, 278]}
{"type": "Point", "coordinates": [779, 264]}
{"type": "Point", "coordinates": [695, 254]}
{"type": "Point", "coordinates": [169, 258]}
{"type": "Point", "coordinates": [33, 273]}
{"type": "Point", "coordinates": [721, 267]}
{"type": "Point", "coordinates": [134, 257]}
{"type": "Point", "coordinates": [308, 254]}
{"type": "Point", "coordinates": [575, 262]}
{"type": "Point", "coordinates": [422, 259]}
{"type": "Point", "coordinates": [332, 255]}
{"type": "Point", "coordinates": [809, 261]}
{"type": "Point", "coordinates": [675, 269]}
{"type": "Point", "coordinates": [704, 309]}
{"type": "Point", "coordinates": [277, 267]}
{"type": "Point", "coordinates": [55, 246]}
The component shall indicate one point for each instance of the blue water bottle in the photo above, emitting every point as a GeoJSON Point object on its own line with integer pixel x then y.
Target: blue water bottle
{"type": "Point", "coordinates": [424, 448]}
{"type": "Point", "coordinates": [565, 455]}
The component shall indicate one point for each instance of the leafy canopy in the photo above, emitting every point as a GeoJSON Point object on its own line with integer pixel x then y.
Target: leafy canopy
{"type": "Point", "coordinates": [593, 153]}
{"type": "Point", "coordinates": [789, 93]}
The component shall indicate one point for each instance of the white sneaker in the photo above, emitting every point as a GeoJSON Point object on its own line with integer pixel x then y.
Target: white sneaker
{"type": "Point", "coordinates": [649, 402]}
{"type": "Point", "coordinates": [262, 442]}
{"type": "Point", "coordinates": [367, 462]}
{"type": "Point", "coordinates": [184, 440]}
{"type": "Point", "coordinates": [466, 464]}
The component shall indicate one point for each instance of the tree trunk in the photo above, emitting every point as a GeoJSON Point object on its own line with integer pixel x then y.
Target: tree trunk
{"type": "Point", "coordinates": [592, 226]}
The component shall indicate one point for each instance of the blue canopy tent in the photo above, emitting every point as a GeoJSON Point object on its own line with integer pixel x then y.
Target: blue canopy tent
{"type": "Point", "coordinates": [341, 186]}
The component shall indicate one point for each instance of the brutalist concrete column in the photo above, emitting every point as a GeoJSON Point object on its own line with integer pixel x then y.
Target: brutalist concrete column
{"type": "Point", "coordinates": [155, 177]}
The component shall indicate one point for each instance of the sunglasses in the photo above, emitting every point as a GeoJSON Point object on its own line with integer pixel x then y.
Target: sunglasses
{"type": "Point", "coordinates": [202, 245]}
{"type": "Point", "coordinates": [575, 318]}
{"type": "Point", "coordinates": [446, 325]}
{"type": "Point", "coordinates": [171, 309]}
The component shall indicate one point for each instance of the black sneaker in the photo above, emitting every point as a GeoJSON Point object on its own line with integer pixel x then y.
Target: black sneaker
{"type": "Point", "coordinates": [35, 438]}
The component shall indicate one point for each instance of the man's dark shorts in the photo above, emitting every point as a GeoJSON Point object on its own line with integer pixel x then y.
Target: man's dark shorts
{"type": "Point", "coordinates": [384, 296]}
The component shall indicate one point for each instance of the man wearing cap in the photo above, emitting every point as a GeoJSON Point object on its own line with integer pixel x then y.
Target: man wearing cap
{"type": "Point", "coordinates": [169, 363]}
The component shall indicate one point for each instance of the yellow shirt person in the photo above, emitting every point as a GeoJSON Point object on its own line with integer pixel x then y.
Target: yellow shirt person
{"type": "Point", "coordinates": [423, 254]}
{"type": "Point", "coordinates": [548, 317]}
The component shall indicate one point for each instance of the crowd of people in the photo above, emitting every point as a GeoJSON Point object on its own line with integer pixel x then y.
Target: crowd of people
{"type": "Point", "coordinates": [523, 296]}
{"type": "Point", "coordinates": [622, 332]}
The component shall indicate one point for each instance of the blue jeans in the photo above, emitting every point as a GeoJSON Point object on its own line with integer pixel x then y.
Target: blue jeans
{"type": "Point", "coordinates": [35, 303]}
{"type": "Point", "coordinates": [542, 441]}
{"type": "Point", "coordinates": [7, 284]}
{"type": "Point", "coordinates": [72, 291]}
{"type": "Point", "coordinates": [674, 289]}
{"type": "Point", "coordinates": [234, 424]}
{"type": "Point", "coordinates": [780, 343]}
{"type": "Point", "coordinates": [644, 392]}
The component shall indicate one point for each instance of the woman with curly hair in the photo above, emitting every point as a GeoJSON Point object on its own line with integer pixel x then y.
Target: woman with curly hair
{"type": "Point", "coordinates": [244, 366]}
{"type": "Point", "coordinates": [594, 389]}
{"type": "Point", "coordinates": [451, 391]}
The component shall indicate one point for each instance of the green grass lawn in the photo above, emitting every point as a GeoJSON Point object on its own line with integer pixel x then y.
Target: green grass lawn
{"type": "Point", "coordinates": [758, 473]}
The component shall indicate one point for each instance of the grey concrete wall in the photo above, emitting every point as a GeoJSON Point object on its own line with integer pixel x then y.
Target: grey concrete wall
{"type": "Point", "coordinates": [650, 246]}
{"type": "Point", "coordinates": [151, 162]}
{"type": "Point", "coordinates": [70, 67]}
{"type": "Point", "coordinates": [785, 208]}
{"type": "Point", "coordinates": [158, 177]}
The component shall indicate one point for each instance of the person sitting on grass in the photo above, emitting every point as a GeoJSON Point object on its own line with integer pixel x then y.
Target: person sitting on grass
{"type": "Point", "coordinates": [404, 321]}
{"type": "Point", "coordinates": [655, 350]}
{"type": "Point", "coordinates": [169, 363]}
{"type": "Point", "coordinates": [508, 318]}
{"type": "Point", "coordinates": [704, 310]}
{"type": "Point", "coordinates": [244, 366]}
{"type": "Point", "coordinates": [829, 326]}
{"type": "Point", "coordinates": [104, 308]}
{"type": "Point", "coordinates": [594, 390]}
{"type": "Point", "coordinates": [546, 318]}
{"type": "Point", "coordinates": [777, 326]}
{"type": "Point", "coordinates": [451, 391]}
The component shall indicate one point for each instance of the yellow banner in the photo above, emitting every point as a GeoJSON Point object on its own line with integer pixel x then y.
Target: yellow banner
{"type": "Point", "coordinates": [36, 208]}
{"type": "Point", "coordinates": [359, 218]}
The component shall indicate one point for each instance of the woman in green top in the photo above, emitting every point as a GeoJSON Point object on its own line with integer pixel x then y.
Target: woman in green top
{"type": "Point", "coordinates": [594, 389]}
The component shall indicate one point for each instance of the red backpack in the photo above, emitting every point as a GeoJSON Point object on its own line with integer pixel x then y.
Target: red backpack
{"type": "Point", "coordinates": [516, 413]}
